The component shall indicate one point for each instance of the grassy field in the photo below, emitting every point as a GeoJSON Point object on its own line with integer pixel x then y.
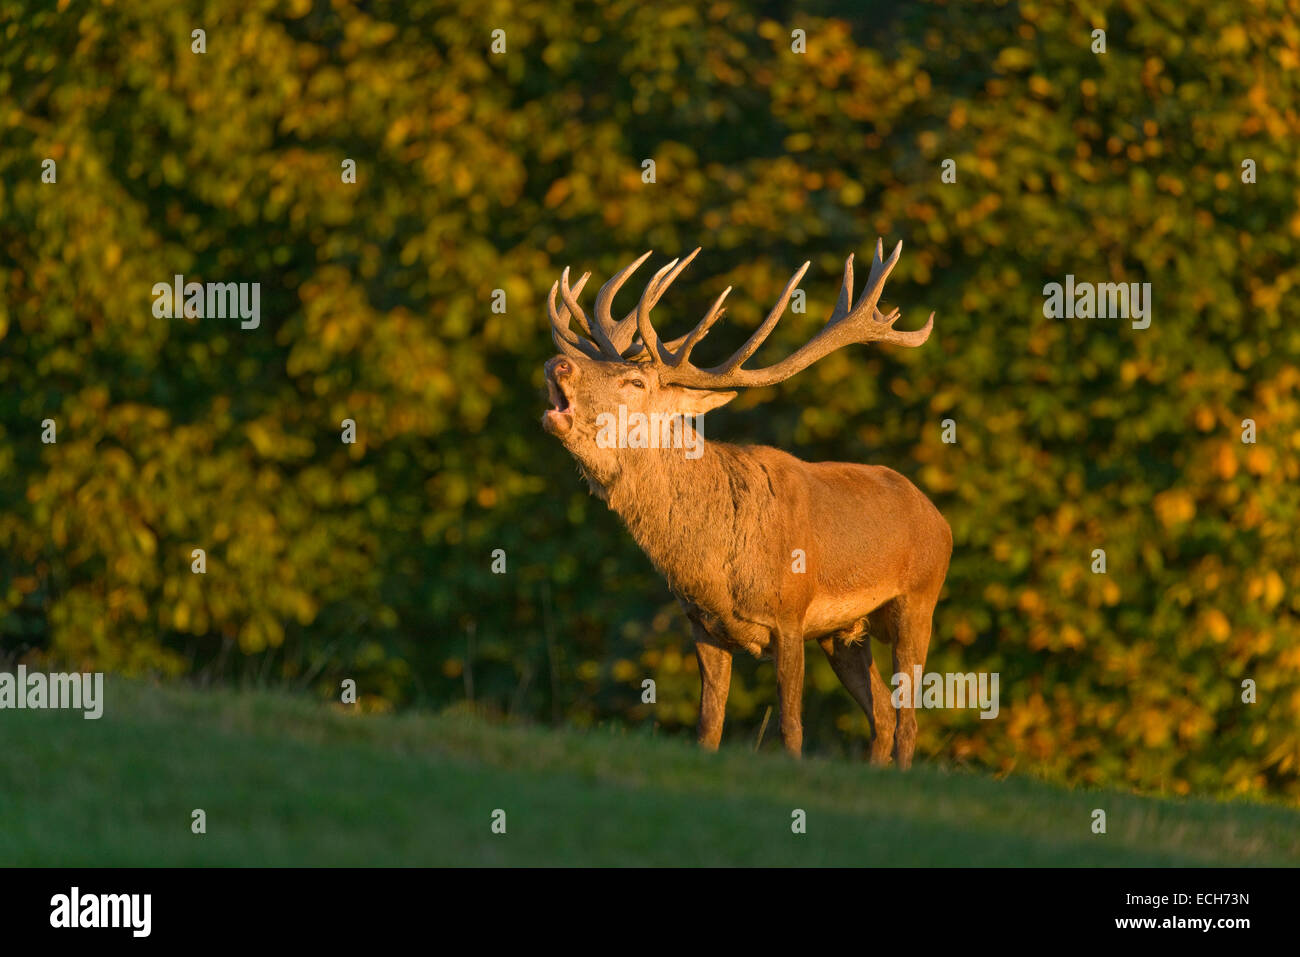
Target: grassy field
{"type": "Point", "coordinates": [286, 781]}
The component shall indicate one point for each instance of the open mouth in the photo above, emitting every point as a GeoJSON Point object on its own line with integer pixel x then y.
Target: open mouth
{"type": "Point", "coordinates": [559, 400]}
{"type": "Point", "coordinates": [559, 418]}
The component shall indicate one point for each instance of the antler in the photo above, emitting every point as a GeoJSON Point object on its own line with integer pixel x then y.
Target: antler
{"type": "Point", "coordinates": [848, 324]}
{"type": "Point", "coordinates": [861, 323]}
{"type": "Point", "coordinates": [565, 340]}
{"type": "Point", "coordinates": [610, 339]}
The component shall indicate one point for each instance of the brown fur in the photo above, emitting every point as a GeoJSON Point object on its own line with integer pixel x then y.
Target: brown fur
{"type": "Point", "coordinates": [723, 529]}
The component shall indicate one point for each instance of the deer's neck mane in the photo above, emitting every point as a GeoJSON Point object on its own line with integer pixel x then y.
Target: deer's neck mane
{"type": "Point", "coordinates": [686, 513]}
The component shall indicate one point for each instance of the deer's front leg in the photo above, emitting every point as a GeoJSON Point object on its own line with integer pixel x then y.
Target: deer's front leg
{"type": "Point", "coordinates": [715, 682]}
{"type": "Point", "coordinates": [788, 655]}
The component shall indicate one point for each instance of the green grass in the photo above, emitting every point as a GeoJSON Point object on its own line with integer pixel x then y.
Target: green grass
{"type": "Point", "coordinates": [286, 781]}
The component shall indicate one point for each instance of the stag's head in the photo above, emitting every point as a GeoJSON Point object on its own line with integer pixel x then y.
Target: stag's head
{"type": "Point", "coordinates": [623, 362]}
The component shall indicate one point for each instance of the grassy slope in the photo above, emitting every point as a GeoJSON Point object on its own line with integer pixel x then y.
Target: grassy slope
{"type": "Point", "coordinates": [285, 781]}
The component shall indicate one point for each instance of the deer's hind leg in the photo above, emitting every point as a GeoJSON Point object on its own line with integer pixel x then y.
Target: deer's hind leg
{"type": "Point", "coordinates": [850, 657]}
{"type": "Point", "coordinates": [911, 645]}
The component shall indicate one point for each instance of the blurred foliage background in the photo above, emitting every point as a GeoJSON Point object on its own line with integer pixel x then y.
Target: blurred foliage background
{"type": "Point", "coordinates": [479, 171]}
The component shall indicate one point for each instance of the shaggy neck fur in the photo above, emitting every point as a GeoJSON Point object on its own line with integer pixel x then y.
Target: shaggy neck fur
{"type": "Point", "coordinates": [686, 513]}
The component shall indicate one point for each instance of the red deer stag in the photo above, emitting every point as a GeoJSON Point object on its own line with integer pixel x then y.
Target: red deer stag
{"type": "Point", "coordinates": [764, 551]}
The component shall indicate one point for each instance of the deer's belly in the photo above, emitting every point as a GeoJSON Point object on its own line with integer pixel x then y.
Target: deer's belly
{"type": "Point", "coordinates": [838, 613]}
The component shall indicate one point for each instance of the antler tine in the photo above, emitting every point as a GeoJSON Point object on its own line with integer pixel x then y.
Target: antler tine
{"type": "Point", "coordinates": [845, 302]}
{"type": "Point", "coordinates": [863, 323]}
{"type": "Point", "coordinates": [565, 340]}
{"type": "Point", "coordinates": [662, 286]}
{"type": "Point", "coordinates": [765, 330]}
{"type": "Point", "coordinates": [653, 290]}
{"type": "Point", "coordinates": [610, 331]}
{"type": "Point", "coordinates": [682, 346]}
{"type": "Point", "coordinates": [624, 333]}
{"type": "Point", "coordinates": [570, 297]}
{"type": "Point", "coordinates": [658, 285]}
{"type": "Point", "coordinates": [880, 270]}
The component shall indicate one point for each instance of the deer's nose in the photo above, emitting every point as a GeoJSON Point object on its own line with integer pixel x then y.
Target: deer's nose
{"type": "Point", "coordinates": [561, 367]}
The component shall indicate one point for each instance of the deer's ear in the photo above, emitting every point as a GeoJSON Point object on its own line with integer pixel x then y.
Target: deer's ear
{"type": "Point", "coordinates": [699, 401]}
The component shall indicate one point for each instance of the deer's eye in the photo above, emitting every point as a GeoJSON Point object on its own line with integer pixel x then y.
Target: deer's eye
{"type": "Point", "coordinates": [637, 383]}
